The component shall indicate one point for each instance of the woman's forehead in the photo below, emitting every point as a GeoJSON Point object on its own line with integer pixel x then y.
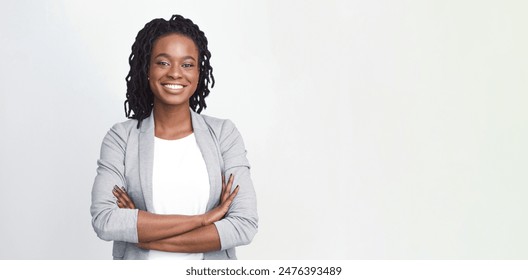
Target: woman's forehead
{"type": "Point", "coordinates": [173, 44]}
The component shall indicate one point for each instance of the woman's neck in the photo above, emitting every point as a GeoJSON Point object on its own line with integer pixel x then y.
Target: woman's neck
{"type": "Point", "coordinates": [171, 122]}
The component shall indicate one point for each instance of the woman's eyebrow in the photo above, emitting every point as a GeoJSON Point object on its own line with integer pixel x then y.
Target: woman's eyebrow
{"type": "Point", "coordinates": [188, 57]}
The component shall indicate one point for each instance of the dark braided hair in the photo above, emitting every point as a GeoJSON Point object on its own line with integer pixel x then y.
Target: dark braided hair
{"type": "Point", "coordinates": [139, 96]}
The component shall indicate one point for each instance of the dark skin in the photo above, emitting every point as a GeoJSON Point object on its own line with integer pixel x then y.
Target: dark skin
{"type": "Point", "coordinates": [179, 233]}
{"type": "Point", "coordinates": [173, 78]}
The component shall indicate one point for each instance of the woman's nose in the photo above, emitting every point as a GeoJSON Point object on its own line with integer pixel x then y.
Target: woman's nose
{"type": "Point", "coordinates": [174, 72]}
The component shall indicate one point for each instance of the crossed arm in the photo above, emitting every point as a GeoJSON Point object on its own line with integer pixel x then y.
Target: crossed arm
{"type": "Point", "coordinates": [126, 223]}
{"type": "Point", "coordinates": [179, 233]}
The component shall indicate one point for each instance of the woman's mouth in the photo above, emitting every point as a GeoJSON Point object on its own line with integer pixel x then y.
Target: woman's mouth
{"type": "Point", "coordinates": [173, 86]}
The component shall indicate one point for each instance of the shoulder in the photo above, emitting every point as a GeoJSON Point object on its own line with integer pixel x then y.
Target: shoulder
{"type": "Point", "coordinates": [217, 124]}
{"type": "Point", "coordinates": [230, 141]}
{"type": "Point", "coordinates": [125, 126]}
{"type": "Point", "coordinates": [226, 133]}
{"type": "Point", "coordinates": [221, 127]}
{"type": "Point", "coordinates": [121, 131]}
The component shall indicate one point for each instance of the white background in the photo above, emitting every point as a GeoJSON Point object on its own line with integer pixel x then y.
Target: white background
{"type": "Point", "coordinates": [375, 129]}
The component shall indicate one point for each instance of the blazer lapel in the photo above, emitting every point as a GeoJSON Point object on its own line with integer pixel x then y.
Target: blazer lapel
{"type": "Point", "coordinates": [206, 142]}
{"type": "Point", "coordinates": [146, 159]}
{"type": "Point", "coordinates": [211, 155]}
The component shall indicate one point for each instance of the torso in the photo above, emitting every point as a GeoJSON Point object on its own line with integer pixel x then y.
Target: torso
{"type": "Point", "coordinates": [180, 183]}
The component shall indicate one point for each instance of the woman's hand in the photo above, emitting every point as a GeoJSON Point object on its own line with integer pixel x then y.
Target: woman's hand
{"type": "Point", "coordinates": [226, 198]}
{"type": "Point", "coordinates": [123, 200]}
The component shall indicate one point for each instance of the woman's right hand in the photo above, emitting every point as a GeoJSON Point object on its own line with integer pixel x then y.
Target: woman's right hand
{"type": "Point", "coordinates": [226, 198]}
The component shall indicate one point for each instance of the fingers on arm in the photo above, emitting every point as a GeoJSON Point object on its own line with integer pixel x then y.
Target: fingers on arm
{"type": "Point", "coordinates": [226, 188]}
{"type": "Point", "coordinates": [228, 196]}
{"type": "Point", "coordinates": [233, 194]}
{"type": "Point", "coordinates": [123, 200]}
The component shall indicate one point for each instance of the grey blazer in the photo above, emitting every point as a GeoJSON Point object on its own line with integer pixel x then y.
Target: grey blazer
{"type": "Point", "coordinates": [126, 160]}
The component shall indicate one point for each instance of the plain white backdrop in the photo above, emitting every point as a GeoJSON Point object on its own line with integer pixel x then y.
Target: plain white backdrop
{"type": "Point", "coordinates": [375, 129]}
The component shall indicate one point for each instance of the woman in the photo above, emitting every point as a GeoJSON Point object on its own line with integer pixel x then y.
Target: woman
{"type": "Point", "coordinates": [174, 167]}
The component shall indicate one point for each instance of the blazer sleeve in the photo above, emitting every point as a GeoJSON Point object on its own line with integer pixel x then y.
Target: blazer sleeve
{"type": "Point", "coordinates": [240, 224]}
{"type": "Point", "coordinates": [109, 222]}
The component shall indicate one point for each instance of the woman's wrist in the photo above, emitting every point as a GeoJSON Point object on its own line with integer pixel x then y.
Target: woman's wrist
{"type": "Point", "coordinates": [205, 219]}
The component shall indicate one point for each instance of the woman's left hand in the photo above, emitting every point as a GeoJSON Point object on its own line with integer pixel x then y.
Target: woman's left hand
{"type": "Point", "coordinates": [123, 200]}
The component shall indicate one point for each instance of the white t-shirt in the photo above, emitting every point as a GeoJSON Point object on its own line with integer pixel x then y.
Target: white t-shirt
{"type": "Point", "coordinates": [180, 184]}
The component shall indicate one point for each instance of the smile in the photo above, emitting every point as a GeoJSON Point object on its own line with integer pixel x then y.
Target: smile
{"type": "Point", "coordinates": [173, 86]}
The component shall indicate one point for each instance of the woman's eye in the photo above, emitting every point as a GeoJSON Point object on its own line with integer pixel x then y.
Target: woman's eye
{"type": "Point", "coordinates": [163, 63]}
{"type": "Point", "coordinates": [187, 65]}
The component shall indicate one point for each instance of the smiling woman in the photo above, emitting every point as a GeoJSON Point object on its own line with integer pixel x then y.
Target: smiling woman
{"type": "Point", "coordinates": [173, 72]}
{"type": "Point", "coordinates": [161, 190]}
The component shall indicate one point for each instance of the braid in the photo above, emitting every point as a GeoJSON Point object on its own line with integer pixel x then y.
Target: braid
{"type": "Point", "coordinates": [139, 96]}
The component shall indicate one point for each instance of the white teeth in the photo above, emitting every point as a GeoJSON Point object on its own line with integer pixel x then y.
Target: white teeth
{"type": "Point", "coordinates": [171, 86]}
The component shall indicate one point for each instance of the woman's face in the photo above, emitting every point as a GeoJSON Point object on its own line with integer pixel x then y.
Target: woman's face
{"type": "Point", "coordinates": [174, 70]}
